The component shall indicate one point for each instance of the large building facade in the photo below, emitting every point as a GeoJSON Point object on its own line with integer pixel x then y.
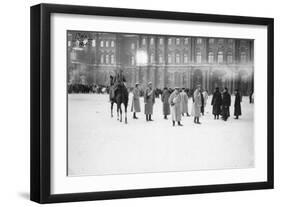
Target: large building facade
{"type": "Point", "coordinates": [166, 61]}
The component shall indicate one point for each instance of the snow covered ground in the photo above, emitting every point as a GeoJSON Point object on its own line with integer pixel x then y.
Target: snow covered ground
{"type": "Point", "coordinates": [99, 144]}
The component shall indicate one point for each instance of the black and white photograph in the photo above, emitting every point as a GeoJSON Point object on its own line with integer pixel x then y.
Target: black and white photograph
{"type": "Point", "coordinates": [149, 103]}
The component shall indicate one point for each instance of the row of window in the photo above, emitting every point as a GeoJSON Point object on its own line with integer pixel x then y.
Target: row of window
{"type": "Point", "coordinates": [110, 59]}
{"type": "Point", "coordinates": [177, 41]}
{"type": "Point", "coordinates": [177, 58]}
{"type": "Point", "coordinates": [107, 59]}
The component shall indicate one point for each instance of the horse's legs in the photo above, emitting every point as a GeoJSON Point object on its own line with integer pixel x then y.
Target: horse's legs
{"type": "Point", "coordinates": [126, 115]}
{"type": "Point", "coordinates": [117, 111]}
{"type": "Point", "coordinates": [120, 112]}
{"type": "Point", "coordinates": [112, 109]}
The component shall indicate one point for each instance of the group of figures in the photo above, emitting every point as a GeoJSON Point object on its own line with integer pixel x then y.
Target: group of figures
{"type": "Point", "coordinates": [175, 102]}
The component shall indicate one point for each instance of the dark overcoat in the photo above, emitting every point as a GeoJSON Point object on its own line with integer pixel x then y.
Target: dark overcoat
{"type": "Point", "coordinates": [216, 103]}
{"type": "Point", "coordinates": [226, 101]}
{"type": "Point", "coordinates": [237, 105]}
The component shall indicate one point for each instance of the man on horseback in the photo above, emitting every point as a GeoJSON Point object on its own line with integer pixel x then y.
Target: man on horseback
{"type": "Point", "coordinates": [118, 80]}
{"type": "Point", "coordinates": [119, 93]}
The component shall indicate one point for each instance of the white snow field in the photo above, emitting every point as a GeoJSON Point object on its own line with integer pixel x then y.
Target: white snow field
{"type": "Point", "coordinates": [100, 145]}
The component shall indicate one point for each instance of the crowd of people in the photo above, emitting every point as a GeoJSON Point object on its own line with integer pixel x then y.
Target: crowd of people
{"type": "Point", "coordinates": [175, 102]}
{"type": "Point", "coordinates": [87, 88]}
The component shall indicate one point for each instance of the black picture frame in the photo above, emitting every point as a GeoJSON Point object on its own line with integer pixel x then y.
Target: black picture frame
{"type": "Point", "coordinates": [40, 175]}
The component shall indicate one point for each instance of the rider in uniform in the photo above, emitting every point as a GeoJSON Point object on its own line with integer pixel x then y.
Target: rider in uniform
{"type": "Point", "coordinates": [119, 80]}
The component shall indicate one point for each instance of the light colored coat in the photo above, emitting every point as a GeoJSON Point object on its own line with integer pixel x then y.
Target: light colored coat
{"type": "Point", "coordinates": [175, 102]}
{"type": "Point", "coordinates": [205, 96]}
{"type": "Point", "coordinates": [149, 100]}
{"type": "Point", "coordinates": [184, 102]}
{"type": "Point", "coordinates": [165, 100]}
{"type": "Point", "coordinates": [197, 103]}
{"type": "Point", "coordinates": [136, 101]}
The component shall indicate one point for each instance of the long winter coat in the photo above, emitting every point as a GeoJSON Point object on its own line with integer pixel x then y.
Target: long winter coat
{"type": "Point", "coordinates": [149, 100]}
{"type": "Point", "coordinates": [205, 96]}
{"type": "Point", "coordinates": [237, 105]}
{"type": "Point", "coordinates": [175, 102]}
{"type": "Point", "coordinates": [136, 101]}
{"type": "Point", "coordinates": [184, 102]}
{"type": "Point", "coordinates": [165, 100]}
{"type": "Point", "coordinates": [226, 101]}
{"type": "Point", "coordinates": [216, 103]}
{"type": "Point", "coordinates": [197, 103]}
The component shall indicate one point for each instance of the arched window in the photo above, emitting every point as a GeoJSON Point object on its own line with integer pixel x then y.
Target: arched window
{"type": "Point", "coordinates": [211, 41]}
{"type": "Point", "coordinates": [211, 57]}
{"type": "Point", "coordinates": [186, 41]}
{"type": "Point", "coordinates": [133, 46]}
{"type": "Point", "coordinates": [198, 57]}
{"type": "Point", "coordinates": [112, 59]}
{"type": "Point", "coordinates": [151, 41]}
{"type": "Point", "coordinates": [199, 40]}
{"type": "Point", "coordinates": [229, 57]}
{"type": "Point", "coordinates": [220, 57]}
{"type": "Point", "coordinates": [94, 43]}
{"type": "Point", "coordinates": [101, 58]}
{"type": "Point", "coordinates": [161, 41]}
{"type": "Point", "coordinates": [107, 59]}
{"type": "Point", "coordinates": [169, 58]}
{"type": "Point", "coordinates": [101, 43]}
{"type": "Point", "coordinates": [143, 41]}
{"type": "Point", "coordinates": [107, 43]}
{"type": "Point", "coordinates": [112, 43]}
{"type": "Point", "coordinates": [177, 58]}
{"type": "Point", "coordinates": [243, 57]}
{"type": "Point", "coordinates": [185, 58]}
{"type": "Point", "coordinates": [178, 41]}
{"type": "Point", "coordinates": [169, 41]}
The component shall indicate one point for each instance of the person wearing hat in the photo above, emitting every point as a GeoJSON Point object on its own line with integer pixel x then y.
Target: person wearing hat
{"type": "Point", "coordinates": [216, 103]}
{"type": "Point", "coordinates": [165, 100]}
{"type": "Point", "coordinates": [184, 102]}
{"type": "Point", "coordinates": [175, 102]}
{"type": "Point", "coordinates": [136, 101]}
{"type": "Point", "coordinates": [197, 103]}
{"type": "Point", "coordinates": [237, 104]}
{"type": "Point", "coordinates": [149, 100]}
{"type": "Point", "coordinates": [226, 101]}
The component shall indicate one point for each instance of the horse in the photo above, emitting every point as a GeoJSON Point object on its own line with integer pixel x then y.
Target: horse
{"type": "Point", "coordinates": [119, 95]}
